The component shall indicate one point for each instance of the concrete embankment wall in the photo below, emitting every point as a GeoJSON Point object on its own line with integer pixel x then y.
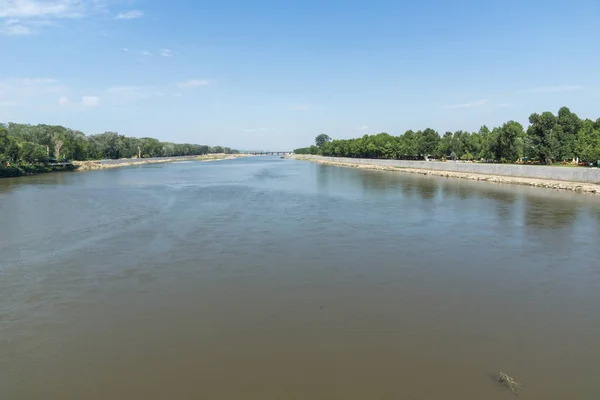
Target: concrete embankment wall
{"type": "Point", "coordinates": [575, 174]}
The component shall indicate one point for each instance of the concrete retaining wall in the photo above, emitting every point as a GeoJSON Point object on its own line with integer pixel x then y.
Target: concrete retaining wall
{"type": "Point", "coordinates": [575, 174]}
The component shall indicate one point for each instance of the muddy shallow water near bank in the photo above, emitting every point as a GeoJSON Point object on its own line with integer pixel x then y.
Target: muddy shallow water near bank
{"type": "Point", "coordinates": [263, 278]}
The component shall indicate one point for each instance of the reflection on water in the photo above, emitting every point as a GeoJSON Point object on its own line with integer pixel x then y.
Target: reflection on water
{"type": "Point", "coordinates": [461, 191]}
{"type": "Point", "coordinates": [544, 209]}
{"type": "Point", "coordinates": [57, 178]}
{"type": "Point", "coordinates": [544, 214]}
{"type": "Point", "coordinates": [267, 279]}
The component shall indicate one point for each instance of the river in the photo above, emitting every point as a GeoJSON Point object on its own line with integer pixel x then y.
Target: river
{"type": "Point", "coordinates": [264, 278]}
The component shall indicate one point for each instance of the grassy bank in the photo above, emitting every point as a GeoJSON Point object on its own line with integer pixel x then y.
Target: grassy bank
{"type": "Point", "coordinates": [24, 170]}
{"type": "Point", "coordinates": [543, 183]}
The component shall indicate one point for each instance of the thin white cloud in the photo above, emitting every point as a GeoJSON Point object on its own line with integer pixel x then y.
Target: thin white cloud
{"type": "Point", "coordinates": [476, 103]}
{"type": "Point", "coordinates": [120, 95]}
{"type": "Point", "coordinates": [261, 132]}
{"type": "Point", "coordinates": [42, 8]}
{"type": "Point", "coordinates": [301, 107]}
{"type": "Point", "coordinates": [26, 17]}
{"type": "Point", "coordinates": [123, 89]}
{"type": "Point", "coordinates": [362, 127]}
{"type": "Point", "coordinates": [42, 92]}
{"type": "Point", "coordinates": [90, 101]}
{"type": "Point", "coordinates": [125, 49]}
{"type": "Point", "coordinates": [26, 91]}
{"type": "Point", "coordinates": [29, 82]}
{"type": "Point", "coordinates": [133, 14]}
{"type": "Point", "coordinates": [129, 89]}
{"type": "Point", "coordinates": [166, 53]}
{"type": "Point", "coordinates": [556, 89]}
{"type": "Point", "coordinates": [194, 83]}
{"type": "Point", "coordinates": [63, 101]}
{"type": "Point", "coordinates": [15, 28]}
{"type": "Point", "coordinates": [85, 102]}
{"type": "Point", "coordinates": [253, 130]}
{"type": "Point", "coordinates": [146, 54]}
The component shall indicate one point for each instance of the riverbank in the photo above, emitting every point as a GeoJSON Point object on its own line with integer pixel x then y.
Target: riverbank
{"type": "Point", "coordinates": [25, 170]}
{"type": "Point", "coordinates": [582, 187]}
{"type": "Point", "coordinates": [127, 162]}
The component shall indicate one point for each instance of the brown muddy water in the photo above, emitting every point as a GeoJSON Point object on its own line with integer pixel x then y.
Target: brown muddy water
{"type": "Point", "coordinates": [264, 278]}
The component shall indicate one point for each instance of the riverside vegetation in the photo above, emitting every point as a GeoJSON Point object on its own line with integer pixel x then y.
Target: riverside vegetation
{"type": "Point", "coordinates": [28, 149]}
{"type": "Point", "coordinates": [549, 139]}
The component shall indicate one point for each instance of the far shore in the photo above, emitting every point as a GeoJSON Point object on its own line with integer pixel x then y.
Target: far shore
{"type": "Point", "coordinates": [127, 162]}
{"type": "Point", "coordinates": [542, 183]}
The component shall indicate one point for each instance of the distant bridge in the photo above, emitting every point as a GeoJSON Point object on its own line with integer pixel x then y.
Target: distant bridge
{"type": "Point", "coordinates": [269, 153]}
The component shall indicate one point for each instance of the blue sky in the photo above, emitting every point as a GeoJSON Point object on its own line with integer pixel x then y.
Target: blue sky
{"type": "Point", "coordinates": [273, 74]}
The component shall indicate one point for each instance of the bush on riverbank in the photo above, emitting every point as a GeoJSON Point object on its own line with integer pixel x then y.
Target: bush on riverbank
{"type": "Point", "coordinates": [23, 170]}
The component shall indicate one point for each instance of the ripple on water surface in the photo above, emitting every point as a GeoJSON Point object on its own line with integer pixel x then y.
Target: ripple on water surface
{"type": "Point", "coordinates": [266, 279]}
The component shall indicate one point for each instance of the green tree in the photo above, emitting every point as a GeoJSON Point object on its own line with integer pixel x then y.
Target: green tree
{"type": "Point", "coordinates": [472, 143]}
{"type": "Point", "coordinates": [11, 151]}
{"type": "Point", "coordinates": [408, 144]}
{"type": "Point", "coordinates": [4, 142]}
{"type": "Point", "coordinates": [17, 140]}
{"type": "Point", "coordinates": [510, 141]}
{"type": "Point", "coordinates": [547, 138]}
{"type": "Point", "coordinates": [445, 144]}
{"type": "Point", "coordinates": [32, 153]}
{"type": "Point", "coordinates": [427, 142]}
{"type": "Point", "coordinates": [321, 139]}
{"type": "Point", "coordinates": [151, 147]}
{"type": "Point", "coordinates": [588, 142]}
{"type": "Point", "coordinates": [461, 145]}
{"type": "Point", "coordinates": [570, 125]}
{"type": "Point", "coordinates": [488, 143]}
{"type": "Point", "coordinates": [543, 134]}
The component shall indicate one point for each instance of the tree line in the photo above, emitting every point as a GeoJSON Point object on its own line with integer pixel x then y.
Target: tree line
{"type": "Point", "coordinates": [548, 139]}
{"type": "Point", "coordinates": [36, 144]}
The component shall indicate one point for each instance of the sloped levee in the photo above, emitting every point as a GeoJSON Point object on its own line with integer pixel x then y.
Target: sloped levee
{"type": "Point", "coordinates": [584, 175]}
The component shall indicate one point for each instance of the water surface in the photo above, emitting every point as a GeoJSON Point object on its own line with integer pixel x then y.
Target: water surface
{"type": "Point", "coordinates": [265, 278]}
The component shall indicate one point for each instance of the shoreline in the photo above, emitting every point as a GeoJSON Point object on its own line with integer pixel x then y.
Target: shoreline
{"type": "Point", "coordinates": [578, 187]}
{"type": "Point", "coordinates": [30, 170]}
{"type": "Point", "coordinates": [129, 162]}
{"type": "Point", "coordinates": [95, 165]}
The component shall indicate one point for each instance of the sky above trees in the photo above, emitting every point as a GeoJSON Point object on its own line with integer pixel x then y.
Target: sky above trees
{"type": "Point", "coordinates": [272, 75]}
